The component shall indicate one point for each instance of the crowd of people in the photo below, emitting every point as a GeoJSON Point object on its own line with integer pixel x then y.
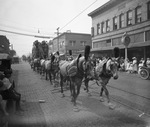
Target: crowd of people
{"type": "Point", "coordinates": [128, 66]}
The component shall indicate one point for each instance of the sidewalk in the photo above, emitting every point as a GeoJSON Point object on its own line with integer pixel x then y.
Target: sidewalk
{"type": "Point", "coordinates": [58, 112]}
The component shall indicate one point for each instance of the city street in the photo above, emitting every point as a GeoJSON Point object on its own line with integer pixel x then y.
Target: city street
{"type": "Point", "coordinates": [129, 94]}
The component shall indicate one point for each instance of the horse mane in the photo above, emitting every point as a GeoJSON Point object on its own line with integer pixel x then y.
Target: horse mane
{"type": "Point", "coordinates": [78, 60]}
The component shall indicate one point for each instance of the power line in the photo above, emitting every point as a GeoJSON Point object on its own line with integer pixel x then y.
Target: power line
{"type": "Point", "coordinates": [78, 15]}
{"type": "Point", "coordinates": [24, 34]}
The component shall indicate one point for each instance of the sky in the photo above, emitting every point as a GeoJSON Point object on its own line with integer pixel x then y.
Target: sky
{"type": "Point", "coordinates": [43, 17]}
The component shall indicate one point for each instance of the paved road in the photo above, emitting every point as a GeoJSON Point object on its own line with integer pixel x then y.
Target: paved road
{"type": "Point", "coordinates": [130, 90]}
{"type": "Point", "coordinates": [58, 112]}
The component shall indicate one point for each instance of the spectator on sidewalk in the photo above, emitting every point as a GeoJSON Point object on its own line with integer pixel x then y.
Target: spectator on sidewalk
{"type": "Point", "coordinates": [134, 65]}
{"type": "Point", "coordinates": [128, 67]}
{"type": "Point", "coordinates": [148, 62]}
{"type": "Point", "coordinates": [141, 64]}
{"type": "Point", "coordinates": [8, 92]}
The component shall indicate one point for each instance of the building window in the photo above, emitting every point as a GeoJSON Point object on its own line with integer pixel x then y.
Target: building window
{"type": "Point", "coordinates": [114, 23]}
{"type": "Point", "coordinates": [107, 25]}
{"type": "Point", "coordinates": [121, 20]}
{"type": "Point", "coordinates": [147, 35]}
{"type": "Point", "coordinates": [138, 14]}
{"type": "Point", "coordinates": [129, 18]}
{"type": "Point", "coordinates": [83, 43]}
{"type": "Point", "coordinates": [148, 10]}
{"type": "Point", "coordinates": [102, 27]}
{"type": "Point", "coordinates": [92, 31]}
{"type": "Point", "coordinates": [72, 43]}
{"type": "Point", "coordinates": [98, 29]}
{"type": "Point", "coordinates": [108, 42]}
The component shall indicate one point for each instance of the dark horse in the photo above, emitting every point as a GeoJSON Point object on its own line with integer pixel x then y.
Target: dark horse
{"type": "Point", "coordinates": [51, 68]}
{"type": "Point", "coordinates": [103, 73]}
{"type": "Point", "coordinates": [75, 71]}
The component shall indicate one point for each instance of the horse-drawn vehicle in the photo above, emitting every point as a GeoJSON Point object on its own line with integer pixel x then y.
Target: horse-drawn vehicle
{"type": "Point", "coordinates": [144, 72]}
{"type": "Point", "coordinates": [5, 62]}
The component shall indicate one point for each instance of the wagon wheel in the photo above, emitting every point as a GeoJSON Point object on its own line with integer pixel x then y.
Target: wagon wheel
{"type": "Point", "coordinates": [144, 74]}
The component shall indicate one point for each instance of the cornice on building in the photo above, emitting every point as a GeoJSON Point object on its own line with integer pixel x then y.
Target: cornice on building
{"type": "Point", "coordinates": [105, 7]}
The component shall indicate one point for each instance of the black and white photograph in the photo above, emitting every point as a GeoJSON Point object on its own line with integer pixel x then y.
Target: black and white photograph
{"type": "Point", "coordinates": [74, 63]}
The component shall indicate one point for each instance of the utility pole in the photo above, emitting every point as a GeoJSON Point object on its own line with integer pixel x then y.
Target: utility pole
{"type": "Point", "coordinates": [58, 38]}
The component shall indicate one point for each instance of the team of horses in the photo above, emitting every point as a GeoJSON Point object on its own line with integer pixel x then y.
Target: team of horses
{"type": "Point", "coordinates": [81, 69]}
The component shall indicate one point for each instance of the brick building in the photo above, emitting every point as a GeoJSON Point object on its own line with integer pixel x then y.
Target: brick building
{"type": "Point", "coordinates": [113, 19]}
{"type": "Point", "coordinates": [70, 41]}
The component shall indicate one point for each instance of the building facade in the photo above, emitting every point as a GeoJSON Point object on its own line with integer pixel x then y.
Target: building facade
{"type": "Point", "coordinates": [113, 19]}
{"type": "Point", "coordinates": [4, 44]}
{"type": "Point", "coordinates": [70, 41]}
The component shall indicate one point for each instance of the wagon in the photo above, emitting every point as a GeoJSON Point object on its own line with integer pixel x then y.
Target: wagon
{"type": "Point", "coordinates": [144, 72]}
{"type": "Point", "coordinates": [5, 62]}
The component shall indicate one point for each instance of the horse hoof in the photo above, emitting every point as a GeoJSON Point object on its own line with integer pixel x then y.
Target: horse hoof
{"type": "Point", "coordinates": [76, 109]}
{"type": "Point", "coordinates": [101, 99]}
{"type": "Point", "coordinates": [111, 106]}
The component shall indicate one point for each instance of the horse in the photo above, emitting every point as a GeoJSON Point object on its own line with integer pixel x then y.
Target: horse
{"type": "Point", "coordinates": [103, 72]}
{"type": "Point", "coordinates": [42, 66]}
{"type": "Point", "coordinates": [75, 71]}
{"type": "Point", "coordinates": [51, 69]}
{"type": "Point", "coordinates": [36, 64]}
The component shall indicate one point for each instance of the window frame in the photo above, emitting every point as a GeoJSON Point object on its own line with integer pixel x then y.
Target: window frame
{"type": "Point", "coordinates": [122, 20]}
{"type": "Point", "coordinates": [98, 28]}
{"type": "Point", "coordinates": [102, 27]}
{"type": "Point", "coordinates": [138, 17]}
{"type": "Point", "coordinates": [83, 43]}
{"type": "Point", "coordinates": [115, 25]}
{"type": "Point", "coordinates": [148, 10]}
{"type": "Point", "coordinates": [129, 19]}
{"type": "Point", "coordinates": [72, 42]}
{"type": "Point", "coordinates": [107, 25]}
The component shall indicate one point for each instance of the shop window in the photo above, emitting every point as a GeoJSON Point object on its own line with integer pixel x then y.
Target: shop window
{"type": "Point", "coordinates": [121, 19]}
{"type": "Point", "coordinates": [138, 14]}
{"type": "Point", "coordinates": [148, 10]}
{"type": "Point", "coordinates": [129, 18]}
{"type": "Point", "coordinates": [98, 29]}
{"type": "Point", "coordinates": [114, 23]}
{"type": "Point", "coordinates": [107, 25]}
